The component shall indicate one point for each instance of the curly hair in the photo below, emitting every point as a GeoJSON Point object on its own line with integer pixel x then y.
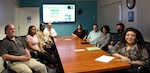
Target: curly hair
{"type": "Point", "coordinates": [106, 27]}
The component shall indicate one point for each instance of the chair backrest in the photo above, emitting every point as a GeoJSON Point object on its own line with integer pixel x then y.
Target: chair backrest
{"type": "Point", "coordinates": [147, 44]}
{"type": "Point", "coordinates": [86, 31]}
{"type": "Point", "coordinates": [112, 35]}
{"type": "Point", "coordinates": [145, 69]}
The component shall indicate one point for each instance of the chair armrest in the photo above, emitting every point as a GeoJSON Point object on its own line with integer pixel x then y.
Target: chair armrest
{"type": "Point", "coordinates": [6, 63]}
{"type": "Point", "coordinates": [143, 69]}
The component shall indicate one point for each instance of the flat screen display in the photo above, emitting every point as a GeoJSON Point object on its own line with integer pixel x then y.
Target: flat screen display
{"type": "Point", "coordinates": [58, 13]}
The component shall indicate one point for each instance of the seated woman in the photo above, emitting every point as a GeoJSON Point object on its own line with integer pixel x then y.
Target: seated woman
{"type": "Point", "coordinates": [34, 45]}
{"type": "Point", "coordinates": [79, 32]}
{"type": "Point", "coordinates": [104, 38]}
{"type": "Point", "coordinates": [46, 41]}
{"type": "Point", "coordinates": [131, 49]}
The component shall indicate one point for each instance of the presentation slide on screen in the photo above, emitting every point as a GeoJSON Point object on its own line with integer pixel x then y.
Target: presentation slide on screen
{"type": "Point", "coordinates": [59, 13]}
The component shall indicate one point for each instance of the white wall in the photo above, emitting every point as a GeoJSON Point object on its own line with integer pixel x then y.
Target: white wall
{"type": "Point", "coordinates": [7, 14]}
{"type": "Point", "coordinates": [125, 11]}
{"type": "Point", "coordinates": [141, 15]}
{"type": "Point", "coordinates": [143, 18]}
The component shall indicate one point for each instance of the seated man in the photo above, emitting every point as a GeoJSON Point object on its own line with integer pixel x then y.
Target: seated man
{"type": "Point", "coordinates": [49, 31]}
{"type": "Point", "coordinates": [94, 35]}
{"type": "Point", "coordinates": [12, 48]}
{"type": "Point", "coordinates": [114, 41]}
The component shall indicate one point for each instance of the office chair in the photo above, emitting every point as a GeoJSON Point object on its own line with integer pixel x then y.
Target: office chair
{"type": "Point", "coordinates": [145, 69]}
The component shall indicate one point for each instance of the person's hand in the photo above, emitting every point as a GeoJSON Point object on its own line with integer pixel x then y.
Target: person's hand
{"type": "Point", "coordinates": [28, 55]}
{"type": "Point", "coordinates": [50, 36]}
{"type": "Point", "coordinates": [24, 58]}
{"type": "Point", "coordinates": [85, 38]}
{"type": "Point", "coordinates": [48, 46]}
{"type": "Point", "coordinates": [74, 36]}
{"type": "Point", "coordinates": [43, 51]}
{"type": "Point", "coordinates": [126, 59]}
{"type": "Point", "coordinates": [112, 42]}
{"type": "Point", "coordinates": [109, 46]}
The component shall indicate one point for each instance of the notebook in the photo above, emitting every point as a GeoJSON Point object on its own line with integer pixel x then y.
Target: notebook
{"type": "Point", "coordinates": [104, 58]}
{"type": "Point", "coordinates": [92, 48]}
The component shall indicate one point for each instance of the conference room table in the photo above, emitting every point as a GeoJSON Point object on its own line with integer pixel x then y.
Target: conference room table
{"type": "Point", "coordinates": [75, 58]}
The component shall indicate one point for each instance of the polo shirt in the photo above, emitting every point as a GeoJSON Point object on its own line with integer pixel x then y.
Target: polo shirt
{"type": "Point", "coordinates": [94, 36]}
{"type": "Point", "coordinates": [11, 47]}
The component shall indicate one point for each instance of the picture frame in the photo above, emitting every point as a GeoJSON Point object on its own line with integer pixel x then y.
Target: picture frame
{"type": "Point", "coordinates": [131, 16]}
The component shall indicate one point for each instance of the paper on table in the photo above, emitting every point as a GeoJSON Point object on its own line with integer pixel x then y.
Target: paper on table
{"type": "Point", "coordinates": [92, 48]}
{"type": "Point", "coordinates": [68, 39]}
{"type": "Point", "coordinates": [77, 50]}
{"type": "Point", "coordinates": [104, 58]}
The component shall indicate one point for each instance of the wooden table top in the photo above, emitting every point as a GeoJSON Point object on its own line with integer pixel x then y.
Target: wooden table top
{"type": "Point", "coordinates": [83, 61]}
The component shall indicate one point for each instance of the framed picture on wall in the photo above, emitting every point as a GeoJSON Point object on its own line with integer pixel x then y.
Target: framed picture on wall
{"type": "Point", "coordinates": [131, 16]}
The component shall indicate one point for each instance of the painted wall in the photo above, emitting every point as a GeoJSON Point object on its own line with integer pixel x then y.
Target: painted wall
{"type": "Point", "coordinates": [143, 18]}
{"type": "Point", "coordinates": [87, 18]}
{"type": "Point", "coordinates": [7, 14]}
{"type": "Point", "coordinates": [125, 11]}
{"type": "Point", "coordinates": [141, 15]}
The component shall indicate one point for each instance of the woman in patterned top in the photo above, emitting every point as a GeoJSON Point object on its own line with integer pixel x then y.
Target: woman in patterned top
{"type": "Point", "coordinates": [131, 49]}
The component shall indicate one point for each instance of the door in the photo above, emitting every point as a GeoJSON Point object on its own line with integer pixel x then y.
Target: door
{"type": "Point", "coordinates": [27, 16]}
{"type": "Point", "coordinates": [111, 15]}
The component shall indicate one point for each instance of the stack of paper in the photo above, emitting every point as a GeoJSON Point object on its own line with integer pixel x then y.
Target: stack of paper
{"type": "Point", "coordinates": [104, 58]}
{"type": "Point", "coordinates": [78, 50]}
{"type": "Point", "coordinates": [92, 48]}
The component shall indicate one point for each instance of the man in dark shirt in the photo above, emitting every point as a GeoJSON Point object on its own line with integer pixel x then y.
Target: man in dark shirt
{"type": "Point", "coordinates": [114, 41]}
{"type": "Point", "coordinates": [13, 48]}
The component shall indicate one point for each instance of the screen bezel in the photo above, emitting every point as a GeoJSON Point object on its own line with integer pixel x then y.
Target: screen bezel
{"type": "Point", "coordinates": [60, 4]}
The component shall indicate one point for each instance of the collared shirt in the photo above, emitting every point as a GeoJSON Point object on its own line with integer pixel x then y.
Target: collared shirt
{"type": "Point", "coordinates": [11, 47]}
{"type": "Point", "coordinates": [94, 36]}
{"type": "Point", "coordinates": [42, 38]}
{"type": "Point", "coordinates": [48, 32]}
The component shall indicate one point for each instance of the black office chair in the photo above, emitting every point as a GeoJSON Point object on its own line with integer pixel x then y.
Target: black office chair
{"type": "Point", "coordinates": [86, 31]}
{"type": "Point", "coordinates": [145, 69]}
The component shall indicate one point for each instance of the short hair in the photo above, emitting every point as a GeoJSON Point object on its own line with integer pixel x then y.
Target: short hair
{"type": "Point", "coordinates": [95, 25]}
{"type": "Point", "coordinates": [121, 24]}
{"type": "Point", "coordinates": [6, 27]}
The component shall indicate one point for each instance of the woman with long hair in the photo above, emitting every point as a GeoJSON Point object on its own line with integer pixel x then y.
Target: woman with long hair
{"type": "Point", "coordinates": [35, 46]}
{"type": "Point", "coordinates": [131, 49]}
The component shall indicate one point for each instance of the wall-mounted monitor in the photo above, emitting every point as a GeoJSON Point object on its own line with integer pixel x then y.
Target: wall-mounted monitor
{"type": "Point", "coordinates": [59, 13]}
